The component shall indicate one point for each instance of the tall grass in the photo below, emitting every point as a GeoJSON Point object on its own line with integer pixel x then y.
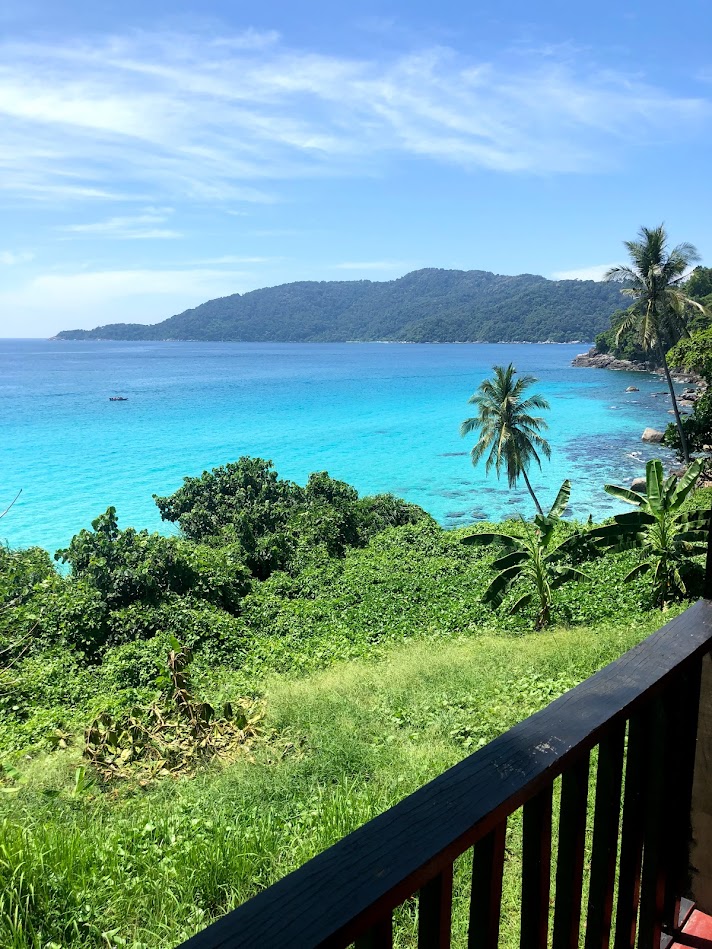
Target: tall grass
{"type": "Point", "coordinates": [82, 866]}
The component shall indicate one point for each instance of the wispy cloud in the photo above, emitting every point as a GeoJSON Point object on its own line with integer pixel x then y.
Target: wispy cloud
{"type": "Point", "coordinates": [10, 258]}
{"type": "Point", "coordinates": [228, 119]}
{"type": "Point", "coordinates": [594, 272]}
{"type": "Point", "coordinates": [135, 227]}
{"type": "Point", "coordinates": [88, 298]}
{"type": "Point", "coordinates": [390, 265]}
{"type": "Point", "coordinates": [231, 259]}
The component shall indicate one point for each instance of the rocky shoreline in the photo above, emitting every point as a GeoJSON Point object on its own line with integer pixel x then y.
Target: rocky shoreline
{"type": "Point", "coordinates": [594, 359]}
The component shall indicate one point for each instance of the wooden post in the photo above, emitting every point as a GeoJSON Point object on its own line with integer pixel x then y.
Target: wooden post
{"type": "Point", "coordinates": [701, 814]}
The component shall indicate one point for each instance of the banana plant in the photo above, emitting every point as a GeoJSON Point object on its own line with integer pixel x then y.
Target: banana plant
{"type": "Point", "coordinates": [532, 560]}
{"type": "Point", "coordinates": [667, 535]}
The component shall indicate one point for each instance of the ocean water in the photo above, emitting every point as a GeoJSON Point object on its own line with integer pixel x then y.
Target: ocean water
{"type": "Point", "coordinates": [383, 417]}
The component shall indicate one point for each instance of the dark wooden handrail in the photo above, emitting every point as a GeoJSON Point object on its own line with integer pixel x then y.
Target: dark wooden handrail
{"type": "Point", "coordinates": [348, 892]}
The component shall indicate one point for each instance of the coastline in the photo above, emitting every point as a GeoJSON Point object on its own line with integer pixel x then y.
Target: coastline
{"type": "Point", "coordinates": [593, 359]}
{"type": "Point", "coordinates": [328, 342]}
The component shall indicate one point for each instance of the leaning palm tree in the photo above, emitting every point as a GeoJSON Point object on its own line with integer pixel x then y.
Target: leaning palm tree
{"type": "Point", "coordinates": [509, 433]}
{"type": "Point", "coordinates": [660, 308]}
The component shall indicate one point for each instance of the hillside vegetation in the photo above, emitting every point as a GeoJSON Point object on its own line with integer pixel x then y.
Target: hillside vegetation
{"type": "Point", "coordinates": [424, 306]}
{"type": "Point", "coordinates": [186, 719]}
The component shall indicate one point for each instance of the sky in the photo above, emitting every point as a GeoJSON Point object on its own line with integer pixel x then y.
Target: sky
{"type": "Point", "coordinates": [154, 155]}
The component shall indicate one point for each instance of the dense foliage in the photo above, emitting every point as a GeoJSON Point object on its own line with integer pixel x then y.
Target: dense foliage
{"type": "Point", "coordinates": [669, 536]}
{"type": "Point", "coordinates": [661, 311]}
{"type": "Point", "coordinates": [424, 306]}
{"type": "Point", "coordinates": [623, 342]}
{"type": "Point", "coordinates": [694, 354]}
{"type": "Point", "coordinates": [342, 575]}
{"type": "Point", "coordinates": [535, 561]}
{"type": "Point", "coordinates": [625, 345]}
{"type": "Point", "coordinates": [276, 524]}
{"type": "Point", "coordinates": [95, 853]}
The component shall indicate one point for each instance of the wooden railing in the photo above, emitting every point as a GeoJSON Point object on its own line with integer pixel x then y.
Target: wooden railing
{"type": "Point", "coordinates": [640, 713]}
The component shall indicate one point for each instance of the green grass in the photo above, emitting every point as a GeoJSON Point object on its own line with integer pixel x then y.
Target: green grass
{"type": "Point", "coordinates": [147, 868]}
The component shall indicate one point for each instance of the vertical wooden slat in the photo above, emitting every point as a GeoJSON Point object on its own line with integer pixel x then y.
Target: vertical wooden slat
{"type": "Point", "coordinates": [684, 711]}
{"type": "Point", "coordinates": [536, 871]}
{"type": "Point", "coordinates": [435, 912]}
{"type": "Point", "coordinates": [486, 896]}
{"type": "Point", "coordinates": [652, 885]}
{"type": "Point", "coordinates": [379, 936]}
{"type": "Point", "coordinates": [570, 858]}
{"type": "Point", "coordinates": [707, 587]}
{"type": "Point", "coordinates": [701, 809]}
{"type": "Point", "coordinates": [632, 828]}
{"type": "Point", "coordinates": [605, 838]}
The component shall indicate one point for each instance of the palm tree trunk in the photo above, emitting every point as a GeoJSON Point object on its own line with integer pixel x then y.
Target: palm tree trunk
{"type": "Point", "coordinates": [531, 491]}
{"type": "Point", "coordinates": [673, 398]}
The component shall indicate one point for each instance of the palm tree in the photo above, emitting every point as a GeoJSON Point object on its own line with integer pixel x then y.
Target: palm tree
{"type": "Point", "coordinates": [659, 313]}
{"type": "Point", "coordinates": [507, 430]}
{"type": "Point", "coordinates": [533, 559]}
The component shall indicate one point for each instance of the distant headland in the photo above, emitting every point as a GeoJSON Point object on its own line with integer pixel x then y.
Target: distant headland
{"type": "Point", "coordinates": [425, 306]}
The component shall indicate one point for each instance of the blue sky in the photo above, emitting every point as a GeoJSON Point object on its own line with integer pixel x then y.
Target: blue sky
{"type": "Point", "coordinates": [157, 154]}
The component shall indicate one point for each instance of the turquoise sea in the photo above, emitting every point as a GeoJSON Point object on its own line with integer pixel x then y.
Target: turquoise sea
{"type": "Point", "coordinates": [383, 417]}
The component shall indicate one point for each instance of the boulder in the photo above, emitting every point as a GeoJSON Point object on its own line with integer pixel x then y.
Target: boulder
{"type": "Point", "coordinates": [632, 389]}
{"type": "Point", "coordinates": [639, 485]}
{"type": "Point", "coordinates": [652, 435]}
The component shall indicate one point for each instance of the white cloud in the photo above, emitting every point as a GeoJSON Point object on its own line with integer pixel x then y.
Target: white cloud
{"type": "Point", "coordinates": [215, 119]}
{"type": "Point", "coordinates": [54, 301]}
{"type": "Point", "coordinates": [594, 272]}
{"type": "Point", "coordinates": [134, 227]}
{"type": "Point", "coordinates": [10, 258]}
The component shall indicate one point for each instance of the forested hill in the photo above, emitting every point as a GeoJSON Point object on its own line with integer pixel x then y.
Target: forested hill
{"type": "Point", "coordinates": [424, 306]}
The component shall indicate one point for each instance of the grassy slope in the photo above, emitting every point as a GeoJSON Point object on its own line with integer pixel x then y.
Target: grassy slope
{"type": "Point", "coordinates": [378, 671]}
{"type": "Point", "coordinates": [149, 868]}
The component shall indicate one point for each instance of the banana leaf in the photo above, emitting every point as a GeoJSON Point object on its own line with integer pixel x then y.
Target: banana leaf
{"type": "Point", "coordinates": [654, 484]}
{"type": "Point", "coordinates": [700, 516]}
{"type": "Point", "coordinates": [510, 560]}
{"type": "Point", "coordinates": [638, 571]}
{"type": "Point", "coordinates": [693, 537]}
{"type": "Point", "coordinates": [565, 574]}
{"type": "Point", "coordinates": [497, 590]}
{"type": "Point", "coordinates": [521, 603]}
{"type": "Point", "coordinates": [634, 518]}
{"type": "Point", "coordinates": [611, 531]}
{"type": "Point", "coordinates": [623, 494]}
{"type": "Point", "coordinates": [688, 480]}
{"type": "Point", "coordinates": [693, 550]}
{"type": "Point", "coordinates": [562, 499]}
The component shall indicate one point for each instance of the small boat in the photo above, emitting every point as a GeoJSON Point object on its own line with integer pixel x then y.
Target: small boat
{"type": "Point", "coordinates": [118, 398]}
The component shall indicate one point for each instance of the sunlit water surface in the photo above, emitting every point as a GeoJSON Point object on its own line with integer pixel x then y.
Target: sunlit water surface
{"type": "Point", "coordinates": [383, 417]}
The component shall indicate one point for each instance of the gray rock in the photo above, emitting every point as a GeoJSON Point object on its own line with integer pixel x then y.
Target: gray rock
{"type": "Point", "coordinates": [652, 435]}
{"type": "Point", "coordinates": [639, 485]}
{"type": "Point", "coordinates": [595, 360]}
{"type": "Point", "coordinates": [632, 389]}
